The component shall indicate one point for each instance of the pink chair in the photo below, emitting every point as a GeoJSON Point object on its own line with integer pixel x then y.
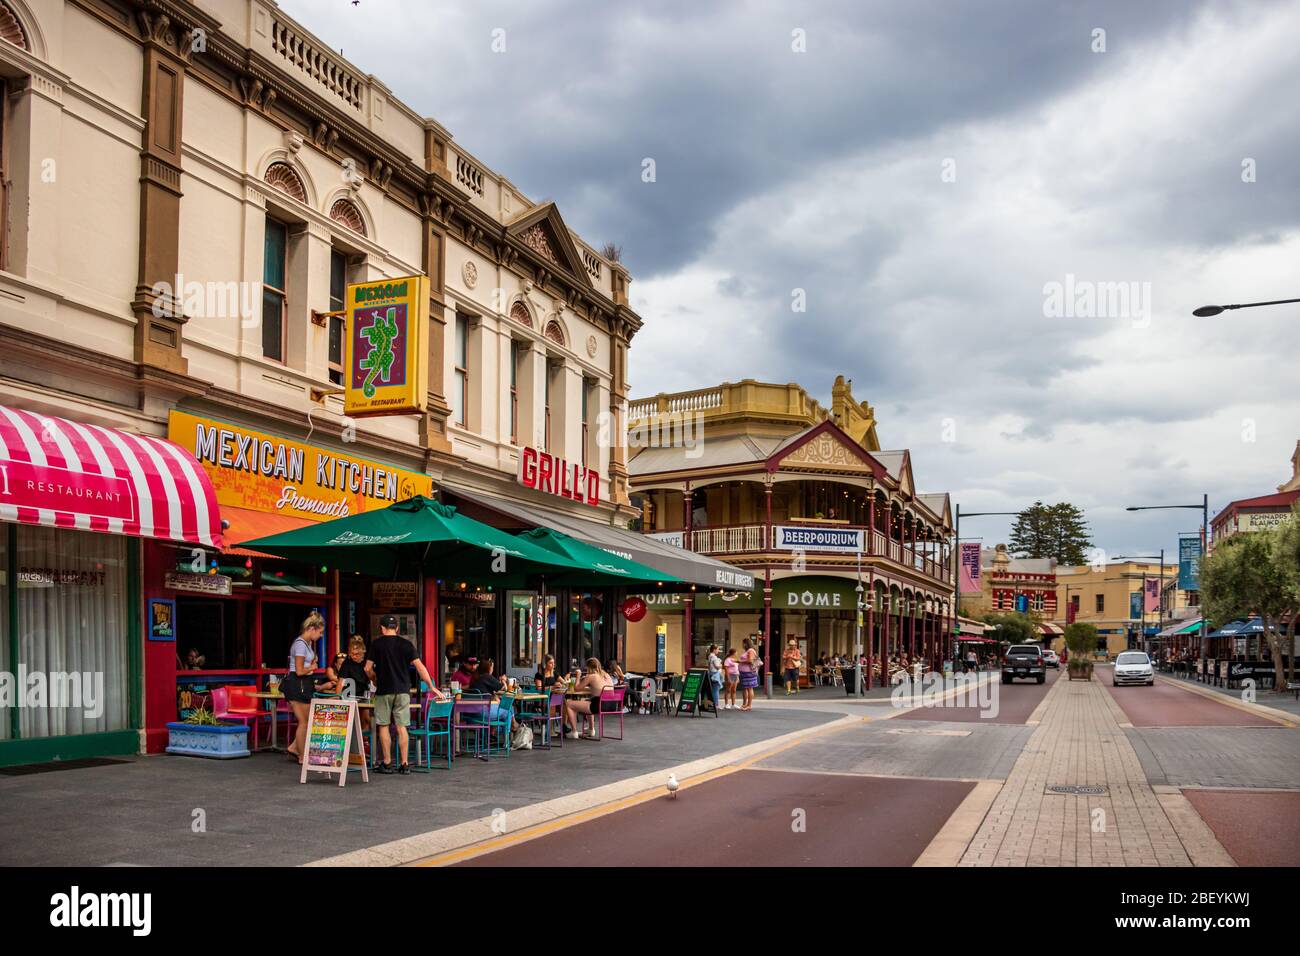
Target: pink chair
{"type": "Point", "coordinates": [609, 705]}
{"type": "Point", "coordinates": [229, 703]}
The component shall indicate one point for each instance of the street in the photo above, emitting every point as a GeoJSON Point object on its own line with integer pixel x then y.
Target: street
{"type": "Point", "coordinates": [940, 786]}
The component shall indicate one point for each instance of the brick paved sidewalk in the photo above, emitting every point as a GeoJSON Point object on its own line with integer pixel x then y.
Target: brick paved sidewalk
{"type": "Point", "coordinates": [1078, 741]}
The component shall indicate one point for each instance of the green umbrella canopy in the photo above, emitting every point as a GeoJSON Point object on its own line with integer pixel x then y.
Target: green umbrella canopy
{"type": "Point", "coordinates": [599, 568]}
{"type": "Point", "coordinates": [416, 536]}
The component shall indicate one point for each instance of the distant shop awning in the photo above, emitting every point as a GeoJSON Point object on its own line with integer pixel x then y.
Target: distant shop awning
{"type": "Point", "coordinates": [1051, 630]}
{"type": "Point", "coordinates": [690, 567]}
{"type": "Point", "coordinates": [1231, 629]}
{"type": "Point", "coordinates": [969, 626]}
{"type": "Point", "coordinates": [66, 474]}
{"type": "Point", "coordinates": [1181, 628]}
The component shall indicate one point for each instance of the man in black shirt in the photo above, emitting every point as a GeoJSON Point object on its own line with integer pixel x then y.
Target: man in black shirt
{"type": "Point", "coordinates": [389, 666]}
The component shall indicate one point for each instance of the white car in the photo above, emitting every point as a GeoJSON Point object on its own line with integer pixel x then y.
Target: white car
{"type": "Point", "coordinates": [1134, 667]}
{"type": "Point", "coordinates": [1051, 660]}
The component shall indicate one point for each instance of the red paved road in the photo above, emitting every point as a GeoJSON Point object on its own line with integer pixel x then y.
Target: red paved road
{"type": "Point", "coordinates": [1016, 701]}
{"type": "Point", "coordinates": [745, 818]}
{"type": "Point", "coordinates": [1257, 829]}
{"type": "Point", "coordinates": [1167, 705]}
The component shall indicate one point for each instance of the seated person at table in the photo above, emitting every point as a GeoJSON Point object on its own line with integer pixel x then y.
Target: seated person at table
{"type": "Point", "coordinates": [546, 676]}
{"type": "Point", "coordinates": [464, 674]}
{"type": "Point", "coordinates": [615, 672]}
{"type": "Point", "coordinates": [352, 668]}
{"type": "Point", "coordinates": [485, 682]}
{"type": "Point", "coordinates": [593, 682]}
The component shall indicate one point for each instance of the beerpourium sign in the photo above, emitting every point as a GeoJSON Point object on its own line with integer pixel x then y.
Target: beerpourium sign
{"type": "Point", "coordinates": [842, 540]}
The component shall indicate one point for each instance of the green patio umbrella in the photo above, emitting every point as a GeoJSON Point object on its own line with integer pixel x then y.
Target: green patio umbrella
{"type": "Point", "coordinates": [599, 568]}
{"type": "Point", "coordinates": [415, 537]}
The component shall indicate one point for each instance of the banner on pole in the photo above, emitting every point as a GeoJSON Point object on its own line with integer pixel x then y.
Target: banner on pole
{"type": "Point", "coordinates": [970, 567]}
{"type": "Point", "coordinates": [1189, 563]}
{"type": "Point", "coordinates": [1151, 587]}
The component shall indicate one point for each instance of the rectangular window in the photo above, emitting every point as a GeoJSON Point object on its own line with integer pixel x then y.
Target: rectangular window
{"type": "Point", "coordinates": [460, 387]}
{"type": "Point", "coordinates": [72, 627]}
{"type": "Point", "coordinates": [514, 392]}
{"type": "Point", "coordinates": [1101, 604]}
{"type": "Point", "coordinates": [546, 437]}
{"type": "Point", "coordinates": [338, 299]}
{"type": "Point", "coordinates": [586, 401]}
{"type": "Point", "coordinates": [273, 286]}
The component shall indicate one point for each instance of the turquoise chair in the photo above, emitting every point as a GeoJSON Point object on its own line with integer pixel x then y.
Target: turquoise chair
{"type": "Point", "coordinates": [436, 724]}
{"type": "Point", "coordinates": [500, 724]}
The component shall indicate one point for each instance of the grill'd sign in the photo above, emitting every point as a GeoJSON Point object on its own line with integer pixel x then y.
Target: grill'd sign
{"type": "Point", "coordinates": [556, 476]}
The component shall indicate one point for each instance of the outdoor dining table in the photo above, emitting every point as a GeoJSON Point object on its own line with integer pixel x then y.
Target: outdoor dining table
{"type": "Point", "coordinates": [370, 705]}
{"type": "Point", "coordinates": [275, 723]}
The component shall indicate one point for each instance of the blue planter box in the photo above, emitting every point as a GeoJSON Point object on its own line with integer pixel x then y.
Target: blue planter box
{"type": "Point", "coordinates": [198, 740]}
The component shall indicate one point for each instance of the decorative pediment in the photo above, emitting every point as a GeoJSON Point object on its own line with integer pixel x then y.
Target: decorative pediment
{"type": "Point", "coordinates": [542, 230]}
{"type": "Point", "coordinates": [905, 483]}
{"type": "Point", "coordinates": [826, 447]}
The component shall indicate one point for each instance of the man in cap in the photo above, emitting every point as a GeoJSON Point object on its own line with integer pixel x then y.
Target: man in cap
{"type": "Point", "coordinates": [391, 659]}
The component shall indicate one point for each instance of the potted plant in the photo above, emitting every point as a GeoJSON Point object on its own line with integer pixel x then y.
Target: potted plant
{"type": "Point", "coordinates": [1080, 639]}
{"type": "Point", "coordinates": [201, 734]}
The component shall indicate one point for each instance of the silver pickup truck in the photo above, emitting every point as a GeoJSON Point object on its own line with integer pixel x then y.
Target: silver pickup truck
{"type": "Point", "coordinates": [1024, 660]}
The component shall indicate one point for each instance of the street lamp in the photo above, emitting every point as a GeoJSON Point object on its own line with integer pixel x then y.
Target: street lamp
{"type": "Point", "coordinates": [1205, 311]}
{"type": "Point", "coordinates": [1204, 506]}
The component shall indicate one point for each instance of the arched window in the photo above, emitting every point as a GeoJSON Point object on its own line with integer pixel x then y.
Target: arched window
{"type": "Point", "coordinates": [345, 211]}
{"type": "Point", "coordinates": [519, 312]}
{"type": "Point", "coordinates": [286, 179]}
{"type": "Point", "coordinates": [11, 28]}
{"type": "Point", "coordinates": [554, 332]}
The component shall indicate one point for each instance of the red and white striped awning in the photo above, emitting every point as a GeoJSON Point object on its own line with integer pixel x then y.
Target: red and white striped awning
{"type": "Point", "coordinates": [68, 475]}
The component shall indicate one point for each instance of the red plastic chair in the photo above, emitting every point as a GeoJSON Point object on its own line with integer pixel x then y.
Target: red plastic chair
{"type": "Point", "coordinates": [229, 703]}
{"type": "Point", "coordinates": [610, 705]}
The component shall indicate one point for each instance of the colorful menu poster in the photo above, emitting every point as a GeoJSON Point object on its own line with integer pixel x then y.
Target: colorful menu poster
{"type": "Point", "coordinates": [330, 727]}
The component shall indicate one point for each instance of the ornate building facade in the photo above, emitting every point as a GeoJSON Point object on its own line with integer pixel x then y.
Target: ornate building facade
{"type": "Point", "coordinates": [803, 497]}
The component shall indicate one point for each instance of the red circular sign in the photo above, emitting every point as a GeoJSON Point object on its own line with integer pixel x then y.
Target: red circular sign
{"type": "Point", "coordinates": [634, 609]}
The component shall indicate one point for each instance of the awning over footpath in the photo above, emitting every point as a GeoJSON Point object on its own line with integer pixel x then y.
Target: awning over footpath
{"type": "Point", "coordinates": [1181, 628]}
{"type": "Point", "coordinates": [690, 567]}
{"type": "Point", "coordinates": [1051, 630]}
{"type": "Point", "coordinates": [972, 627]}
{"type": "Point", "coordinates": [66, 474]}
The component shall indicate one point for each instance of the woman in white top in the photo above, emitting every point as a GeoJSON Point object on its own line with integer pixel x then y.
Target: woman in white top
{"type": "Point", "coordinates": [300, 683]}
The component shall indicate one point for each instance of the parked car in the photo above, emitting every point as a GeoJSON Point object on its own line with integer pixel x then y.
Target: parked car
{"type": "Point", "coordinates": [1134, 667]}
{"type": "Point", "coordinates": [1051, 660]}
{"type": "Point", "coordinates": [1023, 660]}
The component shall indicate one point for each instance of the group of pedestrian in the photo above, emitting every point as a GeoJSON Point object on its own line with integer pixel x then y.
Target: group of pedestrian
{"type": "Point", "coordinates": [730, 672]}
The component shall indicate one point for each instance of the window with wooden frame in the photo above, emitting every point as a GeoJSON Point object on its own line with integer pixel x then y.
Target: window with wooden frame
{"type": "Point", "coordinates": [1101, 604]}
{"type": "Point", "coordinates": [338, 302]}
{"type": "Point", "coordinates": [586, 402]}
{"type": "Point", "coordinates": [514, 392]}
{"type": "Point", "coordinates": [546, 435]}
{"type": "Point", "coordinates": [460, 387]}
{"type": "Point", "coordinates": [274, 254]}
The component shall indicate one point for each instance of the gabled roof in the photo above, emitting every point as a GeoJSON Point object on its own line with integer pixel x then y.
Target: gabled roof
{"type": "Point", "coordinates": [543, 230]}
{"type": "Point", "coordinates": [899, 466]}
{"type": "Point", "coordinates": [939, 506]}
{"type": "Point", "coordinates": [827, 446]}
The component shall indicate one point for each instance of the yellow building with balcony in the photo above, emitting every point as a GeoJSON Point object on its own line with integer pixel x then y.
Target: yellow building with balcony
{"type": "Point", "coordinates": [766, 478]}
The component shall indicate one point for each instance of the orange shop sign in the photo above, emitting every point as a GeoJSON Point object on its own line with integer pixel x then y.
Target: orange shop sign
{"type": "Point", "coordinates": [261, 472]}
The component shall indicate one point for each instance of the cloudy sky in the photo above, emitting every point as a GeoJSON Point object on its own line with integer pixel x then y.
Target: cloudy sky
{"type": "Point", "coordinates": [933, 177]}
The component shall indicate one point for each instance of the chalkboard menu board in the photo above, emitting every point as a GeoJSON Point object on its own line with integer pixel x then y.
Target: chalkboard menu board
{"type": "Point", "coordinates": [696, 695]}
{"type": "Point", "coordinates": [330, 728]}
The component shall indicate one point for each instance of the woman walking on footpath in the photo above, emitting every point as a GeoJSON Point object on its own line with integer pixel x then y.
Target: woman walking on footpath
{"type": "Point", "coordinates": [791, 662]}
{"type": "Point", "coordinates": [300, 682]}
{"type": "Point", "coordinates": [748, 674]}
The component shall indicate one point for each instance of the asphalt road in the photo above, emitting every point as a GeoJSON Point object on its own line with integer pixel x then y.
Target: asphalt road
{"type": "Point", "coordinates": [1165, 704]}
{"type": "Point", "coordinates": [757, 818]}
{"type": "Point", "coordinates": [1016, 701]}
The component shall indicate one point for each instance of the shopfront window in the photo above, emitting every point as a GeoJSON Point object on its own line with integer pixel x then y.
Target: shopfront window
{"type": "Point", "coordinates": [281, 625]}
{"type": "Point", "coordinates": [532, 631]}
{"type": "Point", "coordinates": [72, 629]}
{"type": "Point", "coordinates": [587, 625]}
{"type": "Point", "coordinates": [471, 627]}
{"type": "Point", "coordinates": [213, 634]}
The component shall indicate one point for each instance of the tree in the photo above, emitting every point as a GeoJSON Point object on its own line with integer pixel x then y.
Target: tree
{"type": "Point", "coordinates": [1051, 531]}
{"type": "Point", "coordinates": [1014, 627]}
{"type": "Point", "coordinates": [1258, 573]}
{"type": "Point", "coordinates": [1081, 640]}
